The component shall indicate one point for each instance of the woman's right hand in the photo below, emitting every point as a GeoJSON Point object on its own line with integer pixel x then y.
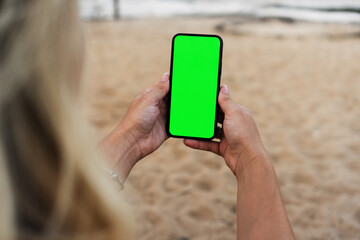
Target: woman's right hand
{"type": "Point", "coordinates": [260, 211]}
{"type": "Point", "coordinates": [241, 145]}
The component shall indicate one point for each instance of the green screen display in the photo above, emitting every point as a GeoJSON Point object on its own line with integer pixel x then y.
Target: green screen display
{"type": "Point", "coordinates": [194, 85]}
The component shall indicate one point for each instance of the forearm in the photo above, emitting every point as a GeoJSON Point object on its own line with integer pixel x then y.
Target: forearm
{"type": "Point", "coordinates": [121, 152]}
{"type": "Point", "coordinates": [260, 212]}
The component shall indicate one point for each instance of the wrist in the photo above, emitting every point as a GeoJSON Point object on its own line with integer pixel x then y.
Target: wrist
{"type": "Point", "coordinates": [251, 160]}
{"type": "Point", "coordinates": [121, 150]}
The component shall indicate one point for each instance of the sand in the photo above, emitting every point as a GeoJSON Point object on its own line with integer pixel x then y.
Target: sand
{"type": "Point", "coordinates": [304, 92]}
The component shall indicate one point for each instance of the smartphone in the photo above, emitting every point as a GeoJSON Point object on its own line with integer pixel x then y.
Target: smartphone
{"type": "Point", "coordinates": [195, 72]}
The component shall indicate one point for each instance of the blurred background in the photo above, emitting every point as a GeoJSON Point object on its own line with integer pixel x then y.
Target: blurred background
{"type": "Point", "coordinates": [294, 64]}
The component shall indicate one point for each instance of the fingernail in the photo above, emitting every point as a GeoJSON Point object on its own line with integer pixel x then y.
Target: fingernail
{"type": "Point", "coordinates": [165, 77]}
{"type": "Point", "coordinates": [224, 89]}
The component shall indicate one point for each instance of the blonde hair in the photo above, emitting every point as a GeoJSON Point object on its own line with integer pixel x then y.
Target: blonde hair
{"type": "Point", "coordinates": [50, 184]}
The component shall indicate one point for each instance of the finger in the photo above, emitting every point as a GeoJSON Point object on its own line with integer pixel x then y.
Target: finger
{"type": "Point", "coordinates": [160, 89]}
{"type": "Point", "coordinates": [202, 145]}
{"type": "Point", "coordinates": [225, 101]}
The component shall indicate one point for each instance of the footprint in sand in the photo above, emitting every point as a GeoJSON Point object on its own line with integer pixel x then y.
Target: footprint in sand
{"type": "Point", "coordinates": [108, 92]}
{"type": "Point", "coordinates": [205, 184]}
{"type": "Point", "coordinates": [357, 216]}
{"type": "Point", "coordinates": [154, 217]}
{"type": "Point", "coordinates": [178, 151]}
{"type": "Point", "coordinates": [151, 197]}
{"type": "Point", "coordinates": [173, 182]}
{"type": "Point", "coordinates": [353, 166]}
{"type": "Point", "coordinates": [321, 166]}
{"type": "Point", "coordinates": [213, 163]}
{"type": "Point", "coordinates": [201, 213]}
{"type": "Point", "coordinates": [99, 122]}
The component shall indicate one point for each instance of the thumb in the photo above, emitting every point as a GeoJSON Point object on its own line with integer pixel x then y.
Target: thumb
{"type": "Point", "coordinates": [225, 101]}
{"type": "Point", "coordinates": [160, 89]}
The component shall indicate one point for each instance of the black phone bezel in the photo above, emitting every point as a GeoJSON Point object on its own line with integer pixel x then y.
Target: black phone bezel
{"type": "Point", "coordinates": [170, 82]}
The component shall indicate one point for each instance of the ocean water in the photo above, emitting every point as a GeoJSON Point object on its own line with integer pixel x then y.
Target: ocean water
{"type": "Point", "coordinates": [332, 11]}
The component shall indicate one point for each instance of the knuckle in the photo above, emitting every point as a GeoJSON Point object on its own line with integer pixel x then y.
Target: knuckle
{"type": "Point", "coordinates": [148, 90]}
{"type": "Point", "coordinates": [225, 98]}
{"type": "Point", "coordinates": [163, 87]}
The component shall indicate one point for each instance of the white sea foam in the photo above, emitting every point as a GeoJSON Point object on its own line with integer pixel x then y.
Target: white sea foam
{"type": "Point", "coordinates": [309, 15]}
{"type": "Point", "coordinates": [297, 10]}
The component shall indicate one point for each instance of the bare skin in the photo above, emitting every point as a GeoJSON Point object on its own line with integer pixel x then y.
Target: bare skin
{"type": "Point", "coordinates": [141, 131]}
{"type": "Point", "coordinates": [260, 210]}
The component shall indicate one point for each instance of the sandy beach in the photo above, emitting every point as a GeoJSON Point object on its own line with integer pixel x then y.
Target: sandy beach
{"type": "Point", "coordinates": [302, 84]}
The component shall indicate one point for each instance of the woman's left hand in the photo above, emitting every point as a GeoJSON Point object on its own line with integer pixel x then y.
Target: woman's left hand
{"type": "Point", "coordinates": [141, 131]}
